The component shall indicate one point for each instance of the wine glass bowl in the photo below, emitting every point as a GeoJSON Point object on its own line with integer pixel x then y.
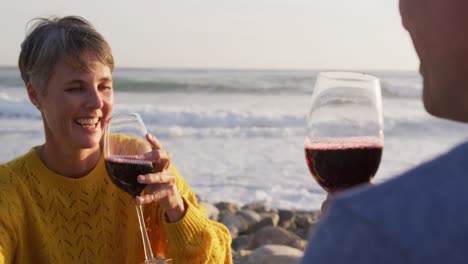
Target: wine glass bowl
{"type": "Point", "coordinates": [344, 130]}
{"type": "Point", "coordinates": [125, 149]}
{"type": "Point", "coordinates": [127, 155]}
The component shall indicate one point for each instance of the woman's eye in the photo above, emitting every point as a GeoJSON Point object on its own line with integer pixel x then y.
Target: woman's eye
{"type": "Point", "coordinates": [105, 87]}
{"type": "Point", "coordinates": [74, 89]}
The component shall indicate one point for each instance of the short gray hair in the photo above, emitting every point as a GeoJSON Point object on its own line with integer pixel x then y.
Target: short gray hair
{"type": "Point", "coordinates": [54, 39]}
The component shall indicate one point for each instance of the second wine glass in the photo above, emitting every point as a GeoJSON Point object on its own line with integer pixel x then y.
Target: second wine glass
{"type": "Point", "coordinates": [344, 133]}
{"type": "Point", "coordinates": [127, 155]}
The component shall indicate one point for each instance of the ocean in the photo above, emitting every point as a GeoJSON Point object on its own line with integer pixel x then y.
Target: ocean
{"type": "Point", "coordinates": [238, 135]}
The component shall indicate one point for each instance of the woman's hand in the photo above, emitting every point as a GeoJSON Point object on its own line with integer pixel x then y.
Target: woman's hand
{"type": "Point", "coordinates": [161, 185]}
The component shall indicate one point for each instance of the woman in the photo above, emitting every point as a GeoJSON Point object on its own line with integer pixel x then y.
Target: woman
{"type": "Point", "coordinates": [56, 201]}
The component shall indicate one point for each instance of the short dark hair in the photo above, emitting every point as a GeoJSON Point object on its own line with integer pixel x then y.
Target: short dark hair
{"type": "Point", "coordinates": [50, 40]}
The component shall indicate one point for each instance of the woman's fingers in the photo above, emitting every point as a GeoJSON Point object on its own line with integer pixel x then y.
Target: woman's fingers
{"type": "Point", "coordinates": [160, 158]}
{"type": "Point", "coordinates": [161, 188]}
{"type": "Point", "coordinates": [165, 176]}
{"type": "Point", "coordinates": [158, 193]}
{"type": "Point", "coordinates": [161, 192]}
{"type": "Point", "coordinates": [153, 141]}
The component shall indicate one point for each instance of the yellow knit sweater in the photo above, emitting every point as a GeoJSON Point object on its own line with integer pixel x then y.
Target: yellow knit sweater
{"type": "Point", "coordinates": [48, 218]}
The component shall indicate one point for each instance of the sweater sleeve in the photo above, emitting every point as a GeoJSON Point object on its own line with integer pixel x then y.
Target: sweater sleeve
{"type": "Point", "coordinates": [195, 238]}
{"type": "Point", "coordinates": [7, 213]}
{"type": "Point", "coordinates": [7, 241]}
{"type": "Point", "coordinates": [345, 237]}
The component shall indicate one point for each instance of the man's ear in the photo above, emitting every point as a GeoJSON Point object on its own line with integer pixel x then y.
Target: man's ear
{"type": "Point", "coordinates": [33, 95]}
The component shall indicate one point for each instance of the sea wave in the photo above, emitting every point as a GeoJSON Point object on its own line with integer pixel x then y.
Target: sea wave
{"type": "Point", "coordinates": [11, 107]}
{"type": "Point", "coordinates": [164, 132]}
{"type": "Point", "coordinates": [181, 86]}
{"type": "Point", "coordinates": [230, 81]}
{"type": "Point", "coordinates": [217, 120]}
{"type": "Point", "coordinates": [389, 89]}
{"type": "Point", "coordinates": [402, 90]}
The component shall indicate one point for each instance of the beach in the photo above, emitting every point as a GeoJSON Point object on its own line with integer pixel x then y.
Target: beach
{"type": "Point", "coordinates": [238, 135]}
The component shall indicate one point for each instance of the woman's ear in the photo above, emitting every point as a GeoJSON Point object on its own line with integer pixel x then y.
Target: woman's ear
{"type": "Point", "coordinates": [33, 95]}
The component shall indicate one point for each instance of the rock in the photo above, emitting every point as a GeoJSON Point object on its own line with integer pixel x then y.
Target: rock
{"type": "Point", "coordinates": [275, 254]}
{"type": "Point", "coordinates": [268, 220]}
{"type": "Point", "coordinates": [260, 233]}
{"type": "Point", "coordinates": [275, 235]}
{"type": "Point", "coordinates": [213, 212]}
{"type": "Point", "coordinates": [250, 216]}
{"type": "Point", "coordinates": [234, 223]}
{"type": "Point", "coordinates": [241, 242]}
{"type": "Point", "coordinates": [257, 207]}
{"type": "Point", "coordinates": [300, 244]}
{"type": "Point", "coordinates": [305, 220]}
{"type": "Point", "coordinates": [245, 253]}
{"type": "Point", "coordinates": [273, 215]}
{"type": "Point", "coordinates": [287, 219]}
{"type": "Point", "coordinates": [198, 198]}
{"type": "Point", "coordinates": [302, 233]}
{"type": "Point", "coordinates": [225, 206]}
{"type": "Point", "coordinates": [241, 256]}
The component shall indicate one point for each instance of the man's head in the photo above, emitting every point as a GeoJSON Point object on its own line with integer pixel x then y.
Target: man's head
{"type": "Point", "coordinates": [70, 39]}
{"type": "Point", "coordinates": [439, 32]}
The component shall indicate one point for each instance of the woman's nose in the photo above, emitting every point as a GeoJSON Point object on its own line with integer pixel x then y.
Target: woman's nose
{"type": "Point", "coordinates": [94, 99]}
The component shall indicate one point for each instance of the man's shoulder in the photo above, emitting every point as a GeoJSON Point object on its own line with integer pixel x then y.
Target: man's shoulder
{"type": "Point", "coordinates": [425, 205]}
{"type": "Point", "coordinates": [418, 217]}
{"type": "Point", "coordinates": [441, 179]}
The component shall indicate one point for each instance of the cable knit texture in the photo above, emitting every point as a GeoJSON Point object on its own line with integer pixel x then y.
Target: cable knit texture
{"type": "Point", "coordinates": [48, 218]}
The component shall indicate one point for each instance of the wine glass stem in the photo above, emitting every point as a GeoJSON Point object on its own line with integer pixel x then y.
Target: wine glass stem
{"type": "Point", "coordinates": [144, 234]}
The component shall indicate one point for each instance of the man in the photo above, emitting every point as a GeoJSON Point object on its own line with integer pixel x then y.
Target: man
{"type": "Point", "coordinates": [421, 216]}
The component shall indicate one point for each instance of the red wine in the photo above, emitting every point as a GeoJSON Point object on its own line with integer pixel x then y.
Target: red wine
{"type": "Point", "coordinates": [339, 164]}
{"type": "Point", "coordinates": [124, 171]}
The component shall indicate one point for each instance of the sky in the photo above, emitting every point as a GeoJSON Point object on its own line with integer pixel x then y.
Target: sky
{"type": "Point", "coordinates": [239, 34]}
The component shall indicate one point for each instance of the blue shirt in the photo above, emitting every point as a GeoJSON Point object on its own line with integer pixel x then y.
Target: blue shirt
{"type": "Point", "coordinates": [419, 217]}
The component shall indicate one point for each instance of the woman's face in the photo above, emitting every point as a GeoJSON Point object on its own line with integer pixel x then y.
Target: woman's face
{"type": "Point", "coordinates": [77, 104]}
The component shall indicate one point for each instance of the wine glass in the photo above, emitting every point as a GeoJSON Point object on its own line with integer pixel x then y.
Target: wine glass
{"type": "Point", "coordinates": [126, 156]}
{"type": "Point", "coordinates": [344, 134]}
